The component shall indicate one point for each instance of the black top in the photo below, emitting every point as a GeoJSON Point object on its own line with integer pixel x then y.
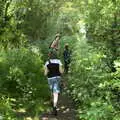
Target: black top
{"type": "Point", "coordinates": [67, 55]}
{"type": "Point", "coordinates": [53, 68]}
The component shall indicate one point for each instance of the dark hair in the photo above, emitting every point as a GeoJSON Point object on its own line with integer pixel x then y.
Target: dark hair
{"type": "Point", "coordinates": [53, 54]}
{"type": "Point", "coordinates": [66, 46]}
{"type": "Point", "coordinates": [57, 35]}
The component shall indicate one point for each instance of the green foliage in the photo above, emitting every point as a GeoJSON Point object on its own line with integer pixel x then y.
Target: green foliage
{"type": "Point", "coordinates": [102, 25]}
{"type": "Point", "coordinates": [6, 111]}
{"type": "Point", "coordinates": [94, 90]}
{"type": "Point", "coordinates": [86, 61]}
{"type": "Point", "coordinates": [10, 36]}
{"type": "Point", "coordinates": [22, 77]}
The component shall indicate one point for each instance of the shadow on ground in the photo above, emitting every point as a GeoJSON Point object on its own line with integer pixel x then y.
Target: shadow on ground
{"type": "Point", "coordinates": [66, 110]}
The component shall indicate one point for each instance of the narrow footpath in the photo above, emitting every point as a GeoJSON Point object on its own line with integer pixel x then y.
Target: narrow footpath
{"type": "Point", "coordinates": [66, 108]}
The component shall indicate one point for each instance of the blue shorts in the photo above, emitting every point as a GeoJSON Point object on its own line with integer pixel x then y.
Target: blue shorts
{"type": "Point", "coordinates": [54, 84]}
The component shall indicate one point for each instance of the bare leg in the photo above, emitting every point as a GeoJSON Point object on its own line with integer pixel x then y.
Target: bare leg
{"type": "Point", "coordinates": [55, 99]}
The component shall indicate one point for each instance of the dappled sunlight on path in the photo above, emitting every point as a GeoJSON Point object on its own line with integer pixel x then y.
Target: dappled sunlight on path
{"type": "Point", "coordinates": [66, 109]}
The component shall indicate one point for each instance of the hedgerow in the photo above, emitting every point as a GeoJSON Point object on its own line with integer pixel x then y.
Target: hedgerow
{"type": "Point", "coordinates": [93, 87]}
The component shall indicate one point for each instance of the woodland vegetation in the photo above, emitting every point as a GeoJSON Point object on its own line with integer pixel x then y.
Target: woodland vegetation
{"type": "Point", "coordinates": [92, 30]}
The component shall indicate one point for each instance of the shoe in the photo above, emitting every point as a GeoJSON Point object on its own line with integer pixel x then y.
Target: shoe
{"type": "Point", "coordinates": [55, 111]}
{"type": "Point", "coordinates": [51, 103]}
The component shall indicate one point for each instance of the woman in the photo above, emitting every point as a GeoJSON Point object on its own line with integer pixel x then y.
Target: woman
{"type": "Point", "coordinates": [53, 71]}
{"type": "Point", "coordinates": [55, 42]}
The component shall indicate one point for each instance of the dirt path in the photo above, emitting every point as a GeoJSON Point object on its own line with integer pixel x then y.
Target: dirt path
{"type": "Point", "coordinates": [66, 109]}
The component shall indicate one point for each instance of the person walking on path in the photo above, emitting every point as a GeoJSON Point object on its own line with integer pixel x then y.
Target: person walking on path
{"type": "Point", "coordinates": [67, 57]}
{"type": "Point", "coordinates": [55, 42]}
{"type": "Point", "coordinates": [53, 70]}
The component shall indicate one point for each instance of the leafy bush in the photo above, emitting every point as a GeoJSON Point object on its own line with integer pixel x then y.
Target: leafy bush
{"type": "Point", "coordinates": [92, 85]}
{"type": "Point", "coordinates": [6, 112]}
{"type": "Point", "coordinates": [22, 74]}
